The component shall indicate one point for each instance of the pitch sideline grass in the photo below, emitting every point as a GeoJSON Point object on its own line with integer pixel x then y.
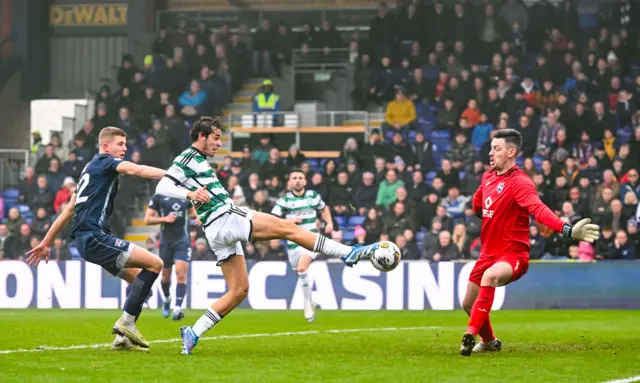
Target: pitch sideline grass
{"type": "Point", "coordinates": [540, 346]}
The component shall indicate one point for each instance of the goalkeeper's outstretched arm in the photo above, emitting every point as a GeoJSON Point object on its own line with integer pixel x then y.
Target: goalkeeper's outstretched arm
{"type": "Point", "coordinates": [526, 196]}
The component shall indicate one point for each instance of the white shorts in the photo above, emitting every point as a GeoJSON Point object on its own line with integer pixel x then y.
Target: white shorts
{"type": "Point", "coordinates": [226, 233]}
{"type": "Point", "coordinates": [295, 254]}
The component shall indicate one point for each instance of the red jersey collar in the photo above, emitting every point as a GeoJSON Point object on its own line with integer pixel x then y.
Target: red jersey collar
{"type": "Point", "coordinates": [508, 172]}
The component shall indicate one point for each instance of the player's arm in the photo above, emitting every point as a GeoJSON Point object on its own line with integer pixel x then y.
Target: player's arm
{"type": "Point", "coordinates": [193, 214]}
{"type": "Point", "coordinates": [143, 171]}
{"type": "Point", "coordinates": [151, 217]}
{"type": "Point", "coordinates": [325, 213]}
{"type": "Point", "coordinates": [42, 250]}
{"type": "Point", "coordinates": [172, 185]}
{"type": "Point", "coordinates": [526, 196]}
{"type": "Point", "coordinates": [477, 200]}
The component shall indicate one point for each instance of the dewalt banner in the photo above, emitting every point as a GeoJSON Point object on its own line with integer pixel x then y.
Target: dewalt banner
{"type": "Point", "coordinates": [109, 18]}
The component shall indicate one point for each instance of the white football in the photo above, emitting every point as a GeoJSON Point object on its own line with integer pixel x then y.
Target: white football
{"type": "Point", "coordinates": [386, 257]}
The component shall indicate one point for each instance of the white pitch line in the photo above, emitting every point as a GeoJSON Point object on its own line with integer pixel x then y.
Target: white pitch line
{"type": "Point", "coordinates": [626, 380]}
{"type": "Point", "coordinates": [221, 337]}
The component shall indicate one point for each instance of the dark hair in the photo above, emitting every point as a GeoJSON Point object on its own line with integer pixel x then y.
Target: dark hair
{"type": "Point", "coordinates": [510, 136]}
{"type": "Point", "coordinates": [297, 170]}
{"type": "Point", "coordinates": [206, 126]}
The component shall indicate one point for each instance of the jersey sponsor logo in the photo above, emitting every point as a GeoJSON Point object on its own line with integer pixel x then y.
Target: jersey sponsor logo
{"type": "Point", "coordinates": [500, 187]}
{"type": "Point", "coordinates": [486, 212]}
{"type": "Point", "coordinates": [488, 183]}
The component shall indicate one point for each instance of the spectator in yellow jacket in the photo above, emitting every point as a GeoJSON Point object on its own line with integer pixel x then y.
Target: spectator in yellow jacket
{"type": "Point", "coordinates": [400, 115]}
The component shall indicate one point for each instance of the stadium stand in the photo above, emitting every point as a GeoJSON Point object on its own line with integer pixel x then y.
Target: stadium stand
{"type": "Point", "coordinates": [569, 82]}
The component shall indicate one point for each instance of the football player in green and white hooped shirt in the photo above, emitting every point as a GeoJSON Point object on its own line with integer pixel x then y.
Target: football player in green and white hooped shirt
{"type": "Point", "coordinates": [226, 225]}
{"type": "Point", "coordinates": [301, 207]}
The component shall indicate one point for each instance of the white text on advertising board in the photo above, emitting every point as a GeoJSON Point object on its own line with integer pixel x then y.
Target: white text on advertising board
{"type": "Point", "coordinates": [88, 15]}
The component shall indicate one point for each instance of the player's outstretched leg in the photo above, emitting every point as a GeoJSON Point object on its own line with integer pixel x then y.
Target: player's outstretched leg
{"type": "Point", "coordinates": [267, 227]}
{"type": "Point", "coordinates": [151, 267]}
{"type": "Point", "coordinates": [497, 275]}
{"type": "Point", "coordinates": [182, 269]}
{"type": "Point", "coordinates": [234, 270]}
{"type": "Point", "coordinates": [489, 342]}
{"type": "Point", "coordinates": [165, 282]}
{"type": "Point", "coordinates": [302, 268]}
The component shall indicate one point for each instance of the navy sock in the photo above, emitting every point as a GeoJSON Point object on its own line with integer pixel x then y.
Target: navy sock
{"type": "Point", "coordinates": [181, 290]}
{"type": "Point", "coordinates": [165, 288]}
{"type": "Point", "coordinates": [139, 292]}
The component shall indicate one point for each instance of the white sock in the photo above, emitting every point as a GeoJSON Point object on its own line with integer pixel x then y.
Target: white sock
{"type": "Point", "coordinates": [330, 248]}
{"type": "Point", "coordinates": [209, 319]}
{"type": "Point", "coordinates": [127, 318]}
{"type": "Point", "coordinates": [306, 287]}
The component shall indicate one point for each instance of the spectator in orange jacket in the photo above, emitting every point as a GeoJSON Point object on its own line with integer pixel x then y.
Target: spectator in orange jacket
{"type": "Point", "coordinates": [472, 113]}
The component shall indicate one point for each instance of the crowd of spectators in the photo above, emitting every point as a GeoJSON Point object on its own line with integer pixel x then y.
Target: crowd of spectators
{"type": "Point", "coordinates": [447, 84]}
{"type": "Point", "coordinates": [187, 74]}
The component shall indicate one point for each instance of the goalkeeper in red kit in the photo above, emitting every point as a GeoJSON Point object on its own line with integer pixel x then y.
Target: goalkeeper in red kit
{"type": "Point", "coordinates": [505, 199]}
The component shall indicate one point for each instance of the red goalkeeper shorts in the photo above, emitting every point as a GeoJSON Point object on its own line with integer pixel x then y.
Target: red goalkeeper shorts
{"type": "Point", "coordinates": [519, 265]}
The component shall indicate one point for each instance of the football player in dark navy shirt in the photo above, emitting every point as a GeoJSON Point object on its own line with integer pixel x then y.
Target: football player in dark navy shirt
{"type": "Point", "coordinates": [175, 246]}
{"type": "Point", "coordinates": [90, 208]}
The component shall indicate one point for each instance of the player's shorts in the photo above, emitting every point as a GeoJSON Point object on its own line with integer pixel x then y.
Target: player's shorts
{"type": "Point", "coordinates": [296, 253]}
{"type": "Point", "coordinates": [519, 265]}
{"type": "Point", "coordinates": [105, 250]}
{"type": "Point", "coordinates": [226, 232]}
{"type": "Point", "coordinates": [174, 250]}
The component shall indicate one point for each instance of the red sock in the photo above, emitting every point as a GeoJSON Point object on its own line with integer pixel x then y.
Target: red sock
{"type": "Point", "coordinates": [486, 332]}
{"type": "Point", "coordinates": [480, 310]}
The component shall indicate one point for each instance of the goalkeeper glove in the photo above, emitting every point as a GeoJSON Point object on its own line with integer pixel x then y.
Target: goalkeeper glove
{"type": "Point", "coordinates": [584, 230]}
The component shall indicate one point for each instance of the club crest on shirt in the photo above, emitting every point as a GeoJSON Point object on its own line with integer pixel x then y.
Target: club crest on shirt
{"type": "Point", "coordinates": [500, 187]}
{"type": "Point", "coordinates": [120, 243]}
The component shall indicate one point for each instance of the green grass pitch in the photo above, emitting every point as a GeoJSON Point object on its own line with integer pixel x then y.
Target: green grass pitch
{"type": "Point", "coordinates": [340, 346]}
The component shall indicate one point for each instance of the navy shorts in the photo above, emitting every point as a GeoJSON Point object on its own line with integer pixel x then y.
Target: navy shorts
{"type": "Point", "coordinates": [171, 251]}
{"type": "Point", "coordinates": [105, 250]}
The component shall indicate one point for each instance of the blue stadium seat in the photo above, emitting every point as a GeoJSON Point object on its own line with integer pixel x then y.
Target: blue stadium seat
{"type": "Point", "coordinates": [420, 236]}
{"type": "Point", "coordinates": [461, 174]}
{"type": "Point", "coordinates": [437, 158]}
{"type": "Point", "coordinates": [537, 161]}
{"type": "Point", "coordinates": [356, 220]}
{"type": "Point", "coordinates": [411, 137]}
{"type": "Point", "coordinates": [11, 194]}
{"type": "Point", "coordinates": [388, 135]}
{"type": "Point", "coordinates": [589, 20]}
{"type": "Point", "coordinates": [440, 134]}
{"type": "Point", "coordinates": [313, 162]}
{"type": "Point", "coordinates": [341, 221]}
{"type": "Point", "coordinates": [624, 133]}
{"type": "Point", "coordinates": [440, 146]}
{"type": "Point", "coordinates": [348, 236]}
{"type": "Point", "coordinates": [430, 72]}
{"type": "Point", "coordinates": [430, 176]}
{"type": "Point", "coordinates": [23, 209]}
